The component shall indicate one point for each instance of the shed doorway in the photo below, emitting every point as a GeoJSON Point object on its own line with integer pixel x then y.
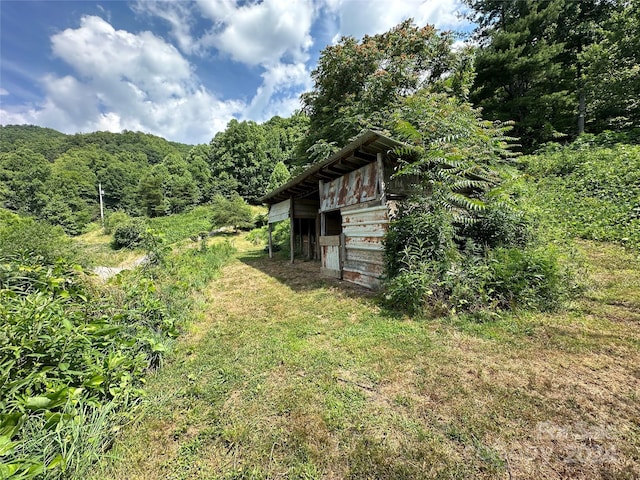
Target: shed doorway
{"type": "Point", "coordinates": [331, 244]}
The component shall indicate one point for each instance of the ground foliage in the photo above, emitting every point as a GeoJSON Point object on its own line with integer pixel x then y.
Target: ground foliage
{"type": "Point", "coordinates": [73, 353]}
{"type": "Point", "coordinates": [589, 189]}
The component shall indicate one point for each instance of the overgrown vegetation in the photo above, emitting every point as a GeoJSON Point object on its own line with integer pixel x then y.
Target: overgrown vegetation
{"type": "Point", "coordinates": [588, 188]}
{"type": "Point", "coordinates": [460, 244]}
{"type": "Point", "coordinates": [74, 354]}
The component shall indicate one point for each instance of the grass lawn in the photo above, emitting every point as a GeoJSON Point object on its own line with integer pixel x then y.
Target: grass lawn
{"type": "Point", "coordinates": [290, 376]}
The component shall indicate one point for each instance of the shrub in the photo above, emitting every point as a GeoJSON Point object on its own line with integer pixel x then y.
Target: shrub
{"type": "Point", "coordinates": [114, 220]}
{"type": "Point", "coordinates": [27, 237]}
{"type": "Point", "coordinates": [529, 278]}
{"type": "Point", "coordinates": [129, 234]}
{"type": "Point", "coordinates": [279, 236]}
{"type": "Point", "coordinates": [435, 267]}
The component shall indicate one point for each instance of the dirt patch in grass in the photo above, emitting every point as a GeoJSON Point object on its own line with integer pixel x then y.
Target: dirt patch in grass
{"type": "Point", "coordinates": [291, 376]}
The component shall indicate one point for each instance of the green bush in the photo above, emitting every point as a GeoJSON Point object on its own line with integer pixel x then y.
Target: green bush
{"type": "Point", "coordinates": [114, 220]}
{"type": "Point", "coordinates": [279, 236]}
{"type": "Point", "coordinates": [25, 236]}
{"type": "Point", "coordinates": [129, 234]}
{"type": "Point", "coordinates": [435, 266]}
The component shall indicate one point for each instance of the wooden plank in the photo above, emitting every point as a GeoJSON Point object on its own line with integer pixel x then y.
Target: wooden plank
{"type": "Point", "coordinates": [363, 280]}
{"type": "Point", "coordinates": [279, 211]}
{"type": "Point", "coordinates": [292, 235]}
{"type": "Point", "coordinates": [330, 240]}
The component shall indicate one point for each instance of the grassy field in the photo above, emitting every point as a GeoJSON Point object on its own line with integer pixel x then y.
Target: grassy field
{"type": "Point", "coordinates": [288, 376]}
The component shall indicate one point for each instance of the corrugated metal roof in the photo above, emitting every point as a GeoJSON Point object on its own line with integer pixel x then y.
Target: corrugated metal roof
{"type": "Point", "coordinates": [356, 154]}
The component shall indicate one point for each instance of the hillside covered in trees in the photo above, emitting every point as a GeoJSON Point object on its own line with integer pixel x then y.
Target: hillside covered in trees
{"type": "Point", "coordinates": [55, 177]}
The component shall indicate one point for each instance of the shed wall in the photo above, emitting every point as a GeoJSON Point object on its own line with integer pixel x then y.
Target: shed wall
{"type": "Point", "coordinates": [355, 187]}
{"type": "Point", "coordinates": [363, 230]}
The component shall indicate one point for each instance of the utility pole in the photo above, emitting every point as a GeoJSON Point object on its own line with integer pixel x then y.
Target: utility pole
{"type": "Point", "coordinates": [101, 192]}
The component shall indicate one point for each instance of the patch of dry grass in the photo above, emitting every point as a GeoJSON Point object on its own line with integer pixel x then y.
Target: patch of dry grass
{"type": "Point", "coordinates": [289, 376]}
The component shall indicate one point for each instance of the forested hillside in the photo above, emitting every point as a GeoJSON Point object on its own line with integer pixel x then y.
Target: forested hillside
{"type": "Point", "coordinates": [55, 177]}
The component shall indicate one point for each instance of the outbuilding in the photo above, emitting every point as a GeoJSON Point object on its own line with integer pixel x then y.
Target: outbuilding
{"type": "Point", "coordinates": [339, 209]}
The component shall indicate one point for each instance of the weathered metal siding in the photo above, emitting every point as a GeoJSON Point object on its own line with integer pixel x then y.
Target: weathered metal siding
{"type": "Point", "coordinates": [279, 211]}
{"type": "Point", "coordinates": [363, 230]}
{"type": "Point", "coordinates": [355, 187]}
{"type": "Point", "coordinates": [331, 256]}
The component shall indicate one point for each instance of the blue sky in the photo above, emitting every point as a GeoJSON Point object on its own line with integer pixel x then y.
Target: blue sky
{"type": "Point", "coordinates": [178, 69]}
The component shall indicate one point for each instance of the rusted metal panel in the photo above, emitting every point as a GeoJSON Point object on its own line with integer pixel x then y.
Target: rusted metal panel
{"type": "Point", "coordinates": [359, 278]}
{"type": "Point", "coordinates": [374, 257]}
{"type": "Point", "coordinates": [331, 240]}
{"type": "Point", "coordinates": [331, 259]}
{"type": "Point", "coordinates": [279, 211]}
{"type": "Point", "coordinates": [355, 187]}
{"type": "Point", "coordinates": [364, 230]}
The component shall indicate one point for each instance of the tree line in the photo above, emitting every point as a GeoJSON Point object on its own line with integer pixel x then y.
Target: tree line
{"type": "Point", "coordinates": [55, 177]}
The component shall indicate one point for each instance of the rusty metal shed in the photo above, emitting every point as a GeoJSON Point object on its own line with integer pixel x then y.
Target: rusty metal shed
{"type": "Point", "coordinates": [339, 209]}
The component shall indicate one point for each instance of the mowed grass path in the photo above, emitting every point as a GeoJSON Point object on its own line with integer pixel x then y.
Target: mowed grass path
{"type": "Point", "coordinates": [289, 376]}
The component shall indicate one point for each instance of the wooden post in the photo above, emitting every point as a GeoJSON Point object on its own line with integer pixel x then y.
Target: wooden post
{"type": "Point", "coordinates": [292, 227]}
{"type": "Point", "coordinates": [308, 239]}
{"type": "Point", "coordinates": [270, 242]}
{"type": "Point", "coordinates": [381, 185]}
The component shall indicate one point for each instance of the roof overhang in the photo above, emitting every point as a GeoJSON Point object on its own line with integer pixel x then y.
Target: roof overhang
{"type": "Point", "coordinates": [358, 153]}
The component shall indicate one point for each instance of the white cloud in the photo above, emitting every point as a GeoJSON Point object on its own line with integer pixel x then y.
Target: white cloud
{"type": "Point", "coordinates": [179, 17]}
{"type": "Point", "coordinates": [359, 17]}
{"type": "Point", "coordinates": [271, 35]}
{"type": "Point", "coordinates": [126, 81]}
{"type": "Point", "coordinates": [3, 92]}
{"type": "Point", "coordinates": [217, 10]}
{"type": "Point", "coordinates": [260, 33]}
{"type": "Point", "coordinates": [286, 80]}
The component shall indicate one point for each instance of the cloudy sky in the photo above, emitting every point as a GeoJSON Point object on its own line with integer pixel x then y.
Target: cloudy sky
{"type": "Point", "coordinates": [177, 69]}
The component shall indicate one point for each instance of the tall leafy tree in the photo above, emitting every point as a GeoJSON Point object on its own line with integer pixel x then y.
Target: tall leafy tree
{"type": "Point", "coordinates": [198, 165]}
{"type": "Point", "coordinates": [240, 151]}
{"type": "Point", "coordinates": [73, 190]}
{"type": "Point", "coordinates": [357, 84]}
{"type": "Point", "coordinates": [23, 176]}
{"type": "Point", "coordinates": [530, 68]}
{"type": "Point", "coordinates": [279, 176]}
{"type": "Point", "coordinates": [612, 71]}
{"type": "Point", "coordinates": [517, 67]}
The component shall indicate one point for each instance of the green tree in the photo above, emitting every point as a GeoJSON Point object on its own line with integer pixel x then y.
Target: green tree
{"type": "Point", "coordinates": [73, 190]}
{"type": "Point", "coordinates": [530, 67]}
{"type": "Point", "coordinates": [23, 176]}
{"type": "Point", "coordinates": [119, 180]}
{"type": "Point", "coordinates": [357, 84]}
{"type": "Point", "coordinates": [282, 136]}
{"type": "Point", "coordinates": [279, 176]}
{"type": "Point", "coordinates": [180, 190]}
{"type": "Point", "coordinates": [612, 71]}
{"type": "Point", "coordinates": [240, 151]}
{"type": "Point", "coordinates": [151, 192]}
{"type": "Point", "coordinates": [200, 170]}
{"type": "Point", "coordinates": [231, 212]}
{"type": "Point", "coordinates": [518, 71]}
